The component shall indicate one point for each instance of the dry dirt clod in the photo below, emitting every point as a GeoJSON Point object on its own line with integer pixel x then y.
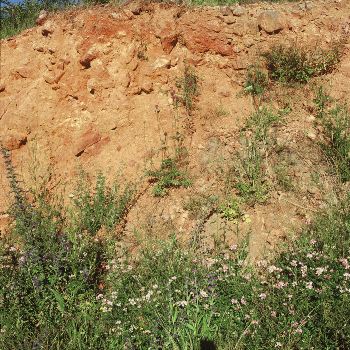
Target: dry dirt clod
{"type": "Point", "coordinates": [15, 140]}
{"type": "Point", "coordinates": [161, 62]}
{"type": "Point", "coordinates": [311, 135]}
{"type": "Point", "coordinates": [53, 78]}
{"type": "Point", "coordinates": [23, 72]}
{"type": "Point", "coordinates": [147, 87]}
{"type": "Point", "coordinates": [225, 11]}
{"type": "Point", "coordinates": [136, 7]}
{"type": "Point", "coordinates": [238, 11]}
{"type": "Point", "coordinates": [43, 14]}
{"type": "Point", "coordinates": [86, 59]}
{"type": "Point", "coordinates": [230, 19]}
{"type": "Point", "coordinates": [2, 87]}
{"type": "Point", "coordinates": [48, 28]}
{"type": "Point", "coordinates": [38, 48]}
{"type": "Point", "coordinates": [271, 21]}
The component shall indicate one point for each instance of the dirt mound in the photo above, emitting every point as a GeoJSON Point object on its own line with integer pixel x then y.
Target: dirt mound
{"type": "Point", "coordinates": [95, 88]}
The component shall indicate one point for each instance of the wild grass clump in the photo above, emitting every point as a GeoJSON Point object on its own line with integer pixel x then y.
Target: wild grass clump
{"type": "Point", "coordinates": [188, 85]}
{"type": "Point", "coordinates": [199, 204]}
{"type": "Point", "coordinates": [256, 82]}
{"type": "Point", "coordinates": [104, 207]}
{"type": "Point", "coordinates": [293, 64]}
{"type": "Point", "coordinates": [335, 120]}
{"type": "Point", "coordinates": [168, 176]}
{"type": "Point", "coordinates": [249, 170]}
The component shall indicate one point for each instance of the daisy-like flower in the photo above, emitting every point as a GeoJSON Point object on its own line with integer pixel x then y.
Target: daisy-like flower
{"type": "Point", "coordinates": [271, 268]}
{"type": "Point", "coordinates": [203, 294]}
{"type": "Point", "coordinates": [182, 303]}
{"type": "Point", "coordinates": [303, 270]}
{"type": "Point", "coordinates": [262, 296]}
{"type": "Point", "coordinates": [345, 263]}
{"type": "Point", "coordinates": [320, 270]}
{"type": "Point", "coordinates": [309, 285]}
{"type": "Point", "coordinates": [294, 263]}
{"type": "Point", "coordinates": [233, 247]}
{"type": "Point", "coordinates": [280, 284]}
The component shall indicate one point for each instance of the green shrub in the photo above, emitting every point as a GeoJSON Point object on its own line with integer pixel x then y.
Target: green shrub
{"type": "Point", "coordinates": [167, 176]}
{"type": "Point", "coordinates": [49, 276]}
{"type": "Point", "coordinates": [103, 207]}
{"type": "Point", "coordinates": [231, 209]}
{"type": "Point", "coordinates": [256, 81]}
{"type": "Point", "coordinates": [293, 64]}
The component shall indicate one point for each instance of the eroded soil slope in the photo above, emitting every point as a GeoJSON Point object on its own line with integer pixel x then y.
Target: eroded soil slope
{"type": "Point", "coordinates": [96, 89]}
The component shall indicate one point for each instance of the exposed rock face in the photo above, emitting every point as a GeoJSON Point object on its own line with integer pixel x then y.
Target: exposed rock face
{"type": "Point", "coordinates": [206, 37]}
{"type": "Point", "coordinates": [169, 40]}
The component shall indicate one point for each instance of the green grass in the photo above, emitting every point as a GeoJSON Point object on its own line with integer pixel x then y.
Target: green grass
{"type": "Point", "coordinates": [335, 119]}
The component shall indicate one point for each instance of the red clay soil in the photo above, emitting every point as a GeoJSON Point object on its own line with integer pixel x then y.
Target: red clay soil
{"type": "Point", "coordinates": [94, 89]}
